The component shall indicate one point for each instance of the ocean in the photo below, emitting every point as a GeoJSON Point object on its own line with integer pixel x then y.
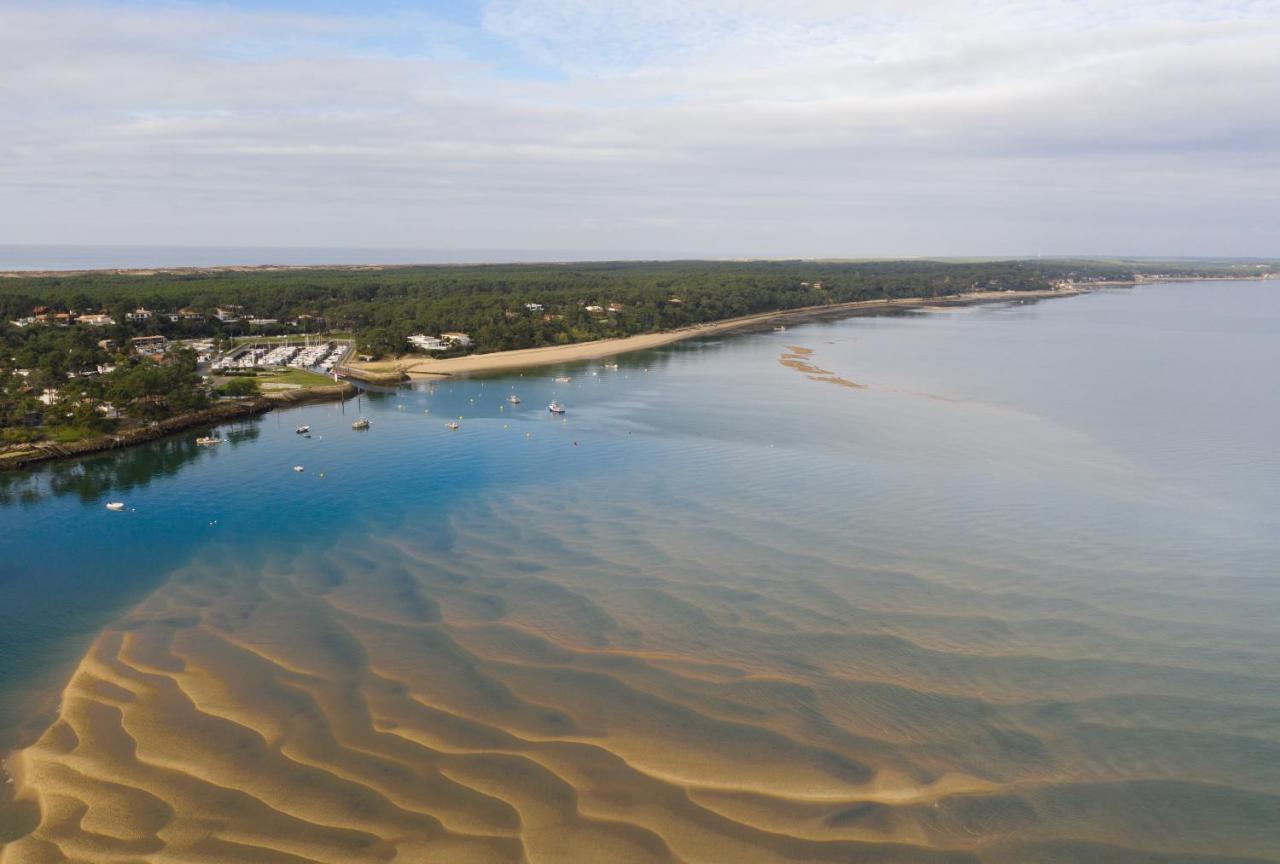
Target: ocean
{"type": "Point", "coordinates": [997, 583]}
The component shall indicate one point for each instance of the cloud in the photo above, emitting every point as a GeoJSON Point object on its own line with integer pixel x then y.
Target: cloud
{"type": "Point", "coordinates": [827, 128]}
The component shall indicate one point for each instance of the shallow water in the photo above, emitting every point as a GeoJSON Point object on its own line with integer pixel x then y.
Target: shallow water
{"type": "Point", "coordinates": [1014, 600]}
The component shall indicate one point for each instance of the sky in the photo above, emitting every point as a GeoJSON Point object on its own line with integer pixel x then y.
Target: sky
{"type": "Point", "coordinates": [716, 128]}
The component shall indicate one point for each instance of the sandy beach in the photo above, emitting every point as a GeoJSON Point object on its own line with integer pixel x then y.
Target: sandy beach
{"type": "Point", "coordinates": [551, 355]}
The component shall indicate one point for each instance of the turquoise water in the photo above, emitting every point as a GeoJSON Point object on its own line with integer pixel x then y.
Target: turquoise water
{"type": "Point", "coordinates": [1036, 557]}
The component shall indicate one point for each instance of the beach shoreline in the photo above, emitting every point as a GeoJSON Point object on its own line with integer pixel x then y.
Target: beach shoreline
{"type": "Point", "coordinates": [392, 372]}
{"type": "Point", "coordinates": [400, 368]}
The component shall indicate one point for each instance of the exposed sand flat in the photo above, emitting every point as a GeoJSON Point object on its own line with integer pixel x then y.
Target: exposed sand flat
{"type": "Point", "coordinates": [796, 357]}
{"type": "Point", "coordinates": [552, 355]}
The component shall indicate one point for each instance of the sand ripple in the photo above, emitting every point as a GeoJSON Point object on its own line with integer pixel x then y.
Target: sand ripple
{"type": "Point", "coordinates": [653, 700]}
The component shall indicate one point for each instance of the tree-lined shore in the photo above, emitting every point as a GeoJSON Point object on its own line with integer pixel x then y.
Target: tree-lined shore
{"type": "Point", "coordinates": [71, 366]}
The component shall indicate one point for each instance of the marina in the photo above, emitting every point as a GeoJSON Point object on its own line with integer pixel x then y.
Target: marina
{"type": "Point", "coordinates": [323, 357]}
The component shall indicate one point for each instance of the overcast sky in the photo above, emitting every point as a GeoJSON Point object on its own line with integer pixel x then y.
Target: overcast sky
{"type": "Point", "coordinates": [709, 127]}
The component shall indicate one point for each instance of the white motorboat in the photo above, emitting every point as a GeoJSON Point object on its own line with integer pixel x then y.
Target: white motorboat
{"type": "Point", "coordinates": [513, 399]}
{"type": "Point", "coordinates": [208, 441]}
{"type": "Point", "coordinates": [299, 468]}
{"type": "Point", "coordinates": [115, 505]}
{"type": "Point", "coordinates": [556, 408]}
{"type": "Point", "coordinates": [302, 430]}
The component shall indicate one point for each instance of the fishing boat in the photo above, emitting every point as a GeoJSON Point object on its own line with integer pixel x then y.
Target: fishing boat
{"type": "Point", "coordinates": [452, 424]}
{"type": "Point", "coordinates": [302, 430]}
{"type": "Point", "coordinates": [556, 408]}
{"type": "Point", "coordinates": [513, 399]}
{"type": "Point", "coordinates": [115, 505]}
{"type": "Point", "coordinates": [563, 379]}
{"type": "Point", "coordinates": [208, 441]}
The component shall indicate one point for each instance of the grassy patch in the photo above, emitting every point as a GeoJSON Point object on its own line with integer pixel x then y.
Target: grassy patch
{"type": "Point", "coordinates": [298, 377]}
{"type": "Point", "coordinates": [71, 434]}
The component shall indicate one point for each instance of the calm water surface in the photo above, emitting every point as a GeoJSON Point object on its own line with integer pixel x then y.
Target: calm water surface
{"type": "Point", "coordinates": [1014, 599]}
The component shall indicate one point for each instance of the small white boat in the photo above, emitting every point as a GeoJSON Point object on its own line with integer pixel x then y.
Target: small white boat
{"type": "Point", "coordinates": [611, 365]}
{"type": "Point", "coordinates": [208, 442]}
{"type": "Point", "coordinates": [360, 424]}
{"type": "Point", "coordinates": [556, 408]}
{"type": "Point", "coordinates": [115, 505]}
{"type": "Point", "coordinates": [513, 399]}
{"type": "Point", "coordinates": [299, 468]}
{"type": "Point", "coordinates": [565, 379]}
{"type": "Point", "coordinates": [452, 424]}
{"type": "Point", "coordinates": [302, 430]}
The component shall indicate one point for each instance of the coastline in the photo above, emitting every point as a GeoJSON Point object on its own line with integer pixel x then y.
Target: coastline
{"type": "Point", "coordinates": [396, 370]}
{"type": "Point", "coordinates": [363, 685]}
{"type": "Point", "coordinates": [391, 372]}
{"type": "Point", "coordinates": [221, 412]}
{"type": "Point", "coordinates": [46, 451]}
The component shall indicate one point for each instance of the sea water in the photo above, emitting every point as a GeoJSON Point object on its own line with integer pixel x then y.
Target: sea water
{"type": "Point", "coordinates": [994, 582]}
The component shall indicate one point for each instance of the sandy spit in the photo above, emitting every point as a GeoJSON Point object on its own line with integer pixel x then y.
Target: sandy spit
{"type": "Point", "coordinates": [601, 348]}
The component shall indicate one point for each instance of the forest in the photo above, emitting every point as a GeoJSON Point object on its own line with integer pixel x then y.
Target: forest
{"type": "Point", "coordinates": [489, 302]}
{"type": "Point", "coordinates": [500, 307]}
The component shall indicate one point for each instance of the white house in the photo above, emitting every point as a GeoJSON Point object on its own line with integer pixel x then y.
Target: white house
{"type": "Point", "coordinates": [533, 307]}
{"type": "Point", "coordinates": [427, 343]}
